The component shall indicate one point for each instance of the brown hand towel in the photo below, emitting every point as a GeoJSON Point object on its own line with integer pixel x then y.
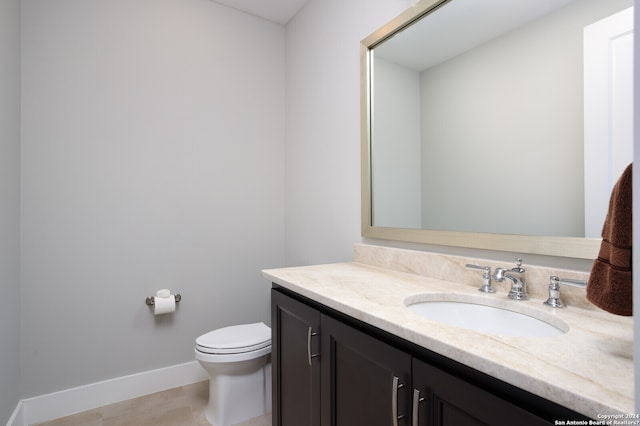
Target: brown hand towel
{"type": "Point", "coordinates": [610, 283]}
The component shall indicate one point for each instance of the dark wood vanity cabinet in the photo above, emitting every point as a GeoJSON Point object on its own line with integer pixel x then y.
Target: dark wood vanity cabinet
{"type": "Point", "coordinates": [364, 381]}
{"type": "Point", "coordinates": [295, 363]}
{"type": "Point", "coordinates": [446, 400]}
{"type": "Point", "coordinates": [331, 370]}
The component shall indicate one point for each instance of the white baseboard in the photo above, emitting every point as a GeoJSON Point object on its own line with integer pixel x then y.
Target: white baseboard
{"type": "Point", "coordinates": [17, 418]}
{"type": "Point", "coordinates": [87, 397]}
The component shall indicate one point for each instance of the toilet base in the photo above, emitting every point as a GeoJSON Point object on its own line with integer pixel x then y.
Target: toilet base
{"type": "Point", "coordinates": [239, 391]}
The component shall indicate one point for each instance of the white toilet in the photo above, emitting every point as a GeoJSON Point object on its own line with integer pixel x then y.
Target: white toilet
{"type": "Point", "coordinates": [238, 360]}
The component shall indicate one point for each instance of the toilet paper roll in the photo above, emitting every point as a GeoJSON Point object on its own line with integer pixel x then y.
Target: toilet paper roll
{"type": "Point", "coordinates": [164, 305]}
{"type": "Point", "coordinates": [165, 292]}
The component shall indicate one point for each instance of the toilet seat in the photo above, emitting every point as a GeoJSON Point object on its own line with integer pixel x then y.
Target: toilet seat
{"type": "Point", "coordinates": [236, 339]}
{"type": "Point", "coordinates": [237, 360]}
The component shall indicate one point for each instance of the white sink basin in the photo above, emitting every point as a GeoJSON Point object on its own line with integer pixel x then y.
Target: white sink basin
{"type": "Point", "coordinates": [487, 315]}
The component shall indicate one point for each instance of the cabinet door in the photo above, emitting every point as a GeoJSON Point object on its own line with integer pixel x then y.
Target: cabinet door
{"type": "Point", "coordinates": [364, 381]}
{"type": "Point", "coordinates": [296, 368]}
{"type": "Point", "coordinates": [445, 400]}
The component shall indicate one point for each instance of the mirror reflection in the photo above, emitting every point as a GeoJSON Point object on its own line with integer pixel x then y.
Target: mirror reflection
{"type": "Point", "coordinates": [502, 117]}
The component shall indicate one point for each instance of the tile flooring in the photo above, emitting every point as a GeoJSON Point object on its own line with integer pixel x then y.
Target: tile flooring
{"type": "Point", "coordinates": [183, 406]}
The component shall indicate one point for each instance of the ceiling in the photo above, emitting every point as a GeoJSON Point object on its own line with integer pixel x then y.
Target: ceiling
{"type": "Point", "coordinates": [430, 41]}
{"type": "Point", "coordinates": [278, 11]}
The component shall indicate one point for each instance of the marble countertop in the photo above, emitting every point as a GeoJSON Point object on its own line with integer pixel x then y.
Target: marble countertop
{"type": "Point", "coordinates": [589, 369]}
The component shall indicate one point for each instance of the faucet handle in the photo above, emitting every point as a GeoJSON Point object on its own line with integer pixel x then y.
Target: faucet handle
{"type": "Point", "coordinates": [519, 264]}
{"type": "Point", "coordinates": [499, 273]}
{"type": "Point", "coordinates": [486, 278]}
{"type": "Point", "coordinates": [554, 289]}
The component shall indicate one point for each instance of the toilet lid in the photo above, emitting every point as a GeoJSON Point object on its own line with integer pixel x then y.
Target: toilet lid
{"type": "Point", "coordinates": [235, 339]}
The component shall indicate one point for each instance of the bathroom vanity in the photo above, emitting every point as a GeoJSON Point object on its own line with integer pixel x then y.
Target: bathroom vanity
{"type": "Point", "coordinates": [347, 350]}
{"type": "Point", "coordinates": [452, 106]}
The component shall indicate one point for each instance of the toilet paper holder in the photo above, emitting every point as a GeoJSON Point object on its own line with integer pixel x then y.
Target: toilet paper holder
{"type": "Point", "coordinates": [150, 301]}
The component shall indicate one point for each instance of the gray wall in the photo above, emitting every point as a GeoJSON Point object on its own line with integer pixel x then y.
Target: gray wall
{"type": "Point", "coordinates": [9, 206]}
{"type": "Point", "coordinates": [152, 157]}
{"type": "Point", "coordinates": [323, 125]}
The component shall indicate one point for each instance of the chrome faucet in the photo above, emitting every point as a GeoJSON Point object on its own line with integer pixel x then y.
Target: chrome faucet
{"type": "Point", "coordinates": [486, 278]}
{"type": "Point", "coordinates": [554, 289]}
{"type": "Point", "coordinates": [516, 275]}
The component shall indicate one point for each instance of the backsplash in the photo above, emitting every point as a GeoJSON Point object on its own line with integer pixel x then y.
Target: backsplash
{"type": "Point", "coordinates": [452, 268]}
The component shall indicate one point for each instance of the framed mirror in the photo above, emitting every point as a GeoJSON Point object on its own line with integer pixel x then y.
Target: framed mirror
{"type": "Point", "coordinates": [484, 125]}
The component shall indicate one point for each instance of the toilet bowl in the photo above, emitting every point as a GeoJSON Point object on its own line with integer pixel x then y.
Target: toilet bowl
{"type": "Point", "coordinates": [238, 361]}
